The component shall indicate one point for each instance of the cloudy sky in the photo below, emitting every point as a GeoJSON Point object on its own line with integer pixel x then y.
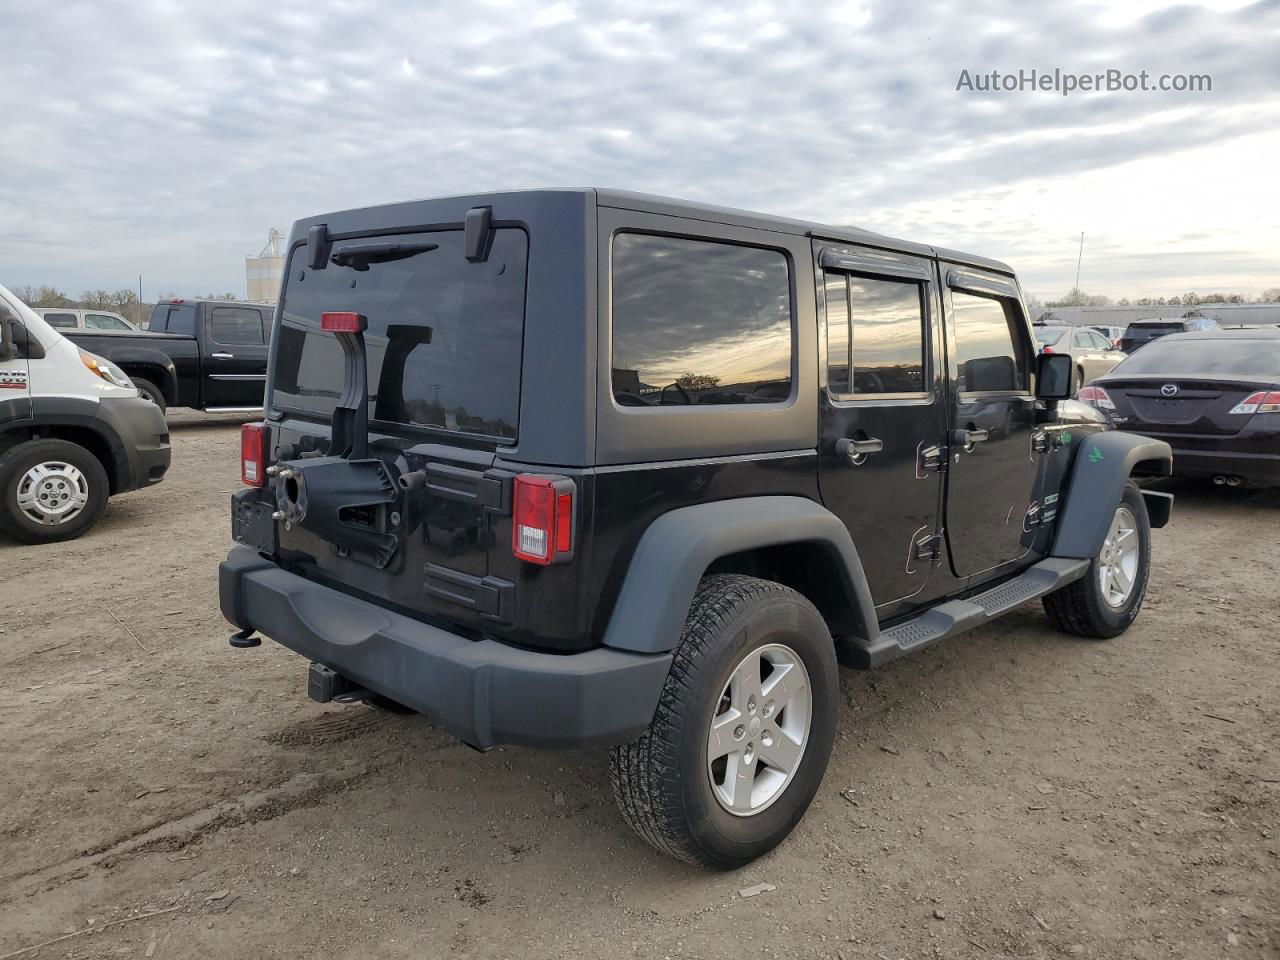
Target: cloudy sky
{"type": "Point", "coordinates": [165, 138]}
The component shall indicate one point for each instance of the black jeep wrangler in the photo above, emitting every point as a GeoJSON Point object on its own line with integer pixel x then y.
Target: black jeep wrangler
{"type": "Point", "coordinates": [583, 466]}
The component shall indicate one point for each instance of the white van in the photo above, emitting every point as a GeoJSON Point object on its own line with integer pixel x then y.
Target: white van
{"type": "Point", "coordinates": [73, 318]}
{"type": "Point", "coordinates": [73, 431]}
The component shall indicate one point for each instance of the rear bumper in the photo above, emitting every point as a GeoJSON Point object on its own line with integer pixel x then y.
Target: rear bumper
{"type": "Point", "coordinates": [1257, 469]}
{"type": "Point", "coordinates": [481, 691]}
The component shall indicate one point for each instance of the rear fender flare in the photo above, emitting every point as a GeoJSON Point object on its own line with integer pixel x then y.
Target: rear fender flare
{"type": "Point", "coordinates": [678, 547]}
{"type": "Point", "coordinates": [1103, 465]}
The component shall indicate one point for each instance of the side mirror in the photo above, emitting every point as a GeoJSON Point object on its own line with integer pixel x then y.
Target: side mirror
{"type": "Point", "coordinates": [1054, 372]}
{"type": "Point", "coordinates": [8, 349]}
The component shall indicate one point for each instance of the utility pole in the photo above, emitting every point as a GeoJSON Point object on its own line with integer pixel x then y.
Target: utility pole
{"type": "Point", "coordinates": [139, 299]}
{"type": "Point", "coordinates": [1079, 257]}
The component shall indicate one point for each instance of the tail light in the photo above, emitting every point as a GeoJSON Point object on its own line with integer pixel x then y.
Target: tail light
{"type": "Point", "coordinates": [253, 454]}
{"type": "Point", "coordinates": [542, 521]}
{"type": "Point", "coordinates": [1096, 397]}
{"type": "Point", "coordinates": [1264, 401]}
{"type": "Point", "coordinates": [342, 322]}
{"type": "Point", "coordinates": [1048, 350]}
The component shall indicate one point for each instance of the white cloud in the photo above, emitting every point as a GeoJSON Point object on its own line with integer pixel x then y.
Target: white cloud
{"type": "Point", "coordinates": [178, 134]}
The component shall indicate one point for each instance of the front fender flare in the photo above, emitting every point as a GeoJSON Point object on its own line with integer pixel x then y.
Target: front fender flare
{"type": "Point", "coordinates": [680, 545]}
{"type": "Point", "coordinates": [1104, 462]}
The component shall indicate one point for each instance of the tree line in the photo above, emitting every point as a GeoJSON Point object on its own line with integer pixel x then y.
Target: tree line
{"type": "Point", "coordinates": [1078, 298]}
{"type": "Point", "coordinates": [123, 302]}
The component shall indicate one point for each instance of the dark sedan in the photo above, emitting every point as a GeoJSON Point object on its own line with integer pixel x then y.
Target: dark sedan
{"type": "Point", "coordinates": [1213, 396]}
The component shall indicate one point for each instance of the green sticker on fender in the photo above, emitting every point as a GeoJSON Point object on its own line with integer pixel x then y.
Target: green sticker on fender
{"type": "Point", "coordinates": [1095, 455]}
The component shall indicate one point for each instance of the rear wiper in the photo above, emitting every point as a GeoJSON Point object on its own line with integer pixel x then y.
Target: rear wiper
{"type": "Point", "coordinates": [359, 256]}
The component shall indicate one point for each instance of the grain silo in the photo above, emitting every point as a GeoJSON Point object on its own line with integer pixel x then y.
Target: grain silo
{"type": "Point", "coordinates": [262, 273]}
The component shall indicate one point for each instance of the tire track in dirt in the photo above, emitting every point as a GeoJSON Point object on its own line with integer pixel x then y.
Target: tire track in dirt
{"type": "Point", "coordinates": [302, 790]}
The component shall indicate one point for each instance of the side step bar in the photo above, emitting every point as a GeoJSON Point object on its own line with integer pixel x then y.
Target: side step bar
{"type": "Point", "coordinates": [958, 616]}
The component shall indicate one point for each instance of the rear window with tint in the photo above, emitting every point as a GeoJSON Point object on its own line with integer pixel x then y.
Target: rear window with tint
{"type": "Point", "coordinates": [1144, 331]}
{"type": "Point", "coordinates": [1244, 358]}
{"type": "Point", "coordinates": [174, 318]}
{"type": "Point", "coordinates": [445, 335]}
{"type": "Point", "coordinates": [63, 321]}
{"type": "Point", "coordinates": [1047, 336]}
{"type": "Point", "coordinates": [699, 322]}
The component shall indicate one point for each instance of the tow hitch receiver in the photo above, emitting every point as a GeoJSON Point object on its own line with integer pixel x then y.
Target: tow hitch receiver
{"type": "Point", "coordinates": [325, 685]}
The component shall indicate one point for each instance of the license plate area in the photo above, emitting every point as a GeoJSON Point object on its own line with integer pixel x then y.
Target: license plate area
{"type": "Point", "coordinates": [252, 523]}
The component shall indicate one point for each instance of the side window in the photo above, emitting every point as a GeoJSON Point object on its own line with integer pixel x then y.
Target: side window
{"type": "Point", "coordinates": [989, 352]}
{"type": "Point", "coordinates": [101, 321]}
{"type": "Point", "coordinates": [699, 322]}
{"type": "Point", "coordinates": [875, 336]}
{"type": "Point", "coordinates": [63, 321]}
{"type": "Point", "coordinates": [1082, 339]}
{"type": "Point", "coordinates": [235, 325]}
{"type": "Point", "coordinates": [1100, 342]}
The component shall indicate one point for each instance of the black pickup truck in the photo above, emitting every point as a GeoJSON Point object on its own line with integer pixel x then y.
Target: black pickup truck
{"type": "Point", "coordinates": [206, 354]}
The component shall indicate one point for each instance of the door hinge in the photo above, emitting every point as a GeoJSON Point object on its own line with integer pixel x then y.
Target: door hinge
{"type": "Point", "coordinates": [929, 548]}
{"type": "Point", "coordinates": [930, 458]}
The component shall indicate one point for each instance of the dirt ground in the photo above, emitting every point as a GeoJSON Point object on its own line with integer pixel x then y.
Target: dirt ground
{"type": "Point", "coordinates": [1012, 793]}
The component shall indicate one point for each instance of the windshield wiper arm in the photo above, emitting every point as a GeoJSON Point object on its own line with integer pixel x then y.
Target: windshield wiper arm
{"type": "Point", "coordinates": [360, 255]}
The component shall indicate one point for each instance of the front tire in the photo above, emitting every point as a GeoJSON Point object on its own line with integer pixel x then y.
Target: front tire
{"type": "Point", "coordinates": [150, 391]}
{"type": "Point", "coordinates": [50, 490]}
{"type": "Point", "coordinates": [743, 730]}
{"type": "Point", "coordinates": [1106, 600]}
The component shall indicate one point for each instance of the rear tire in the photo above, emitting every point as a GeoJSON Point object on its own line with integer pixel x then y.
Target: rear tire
{"type": "Point", "coordinates": [1077, 381]}
{"type": "Point", "coordinates": [1103, 602]}
{"type": "Point", "coordinates": [50, 490]}
{"type": "Point", "coordinates": [150, 391]}
{"type": "Point", "coordinates": [674, 787]}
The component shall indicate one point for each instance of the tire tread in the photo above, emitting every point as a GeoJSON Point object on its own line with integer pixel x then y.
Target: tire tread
{"type": "Point", "coordinates": [646, 772]}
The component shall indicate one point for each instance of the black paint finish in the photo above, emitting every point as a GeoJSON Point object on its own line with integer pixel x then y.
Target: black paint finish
{"type": "Point", "coordinates": [944, 491]}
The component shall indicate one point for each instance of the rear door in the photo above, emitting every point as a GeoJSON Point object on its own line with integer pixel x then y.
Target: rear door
{"type": "Point", "coordinates": [235, 350]}
{"type": "Point", "coordinates": [443, 354]}
{"type": "Point", "coordinates": [991, 499]}
{"type": "Point", "coordinates": [882, 412]}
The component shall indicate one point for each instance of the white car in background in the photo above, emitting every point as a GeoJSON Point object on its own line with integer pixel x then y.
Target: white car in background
{"type": "Point", "coordinates": [73, 318]}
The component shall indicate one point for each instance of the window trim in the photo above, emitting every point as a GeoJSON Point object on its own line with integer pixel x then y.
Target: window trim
{"type": "Point", "coordinates": [887, 272]}
{"type": "Point", "coordinates": [673, 409]}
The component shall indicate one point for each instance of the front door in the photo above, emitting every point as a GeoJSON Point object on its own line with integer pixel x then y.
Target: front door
{"type": "Point", "coordinates": [883, 414]}
{"type": "Point", "coordinates": [236, 356]}
{"type": "Point", "coordinates": [992, 477]}
{"type": "Point", "coordinates": [15, 383]}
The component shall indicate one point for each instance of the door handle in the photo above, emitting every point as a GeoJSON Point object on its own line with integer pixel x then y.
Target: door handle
{"type": "Point", "coordinates": [856, 451]}
{"type": "Point", "coordinates": [222, 356]}
{"type": "Point", "coordinates": [969, 438]}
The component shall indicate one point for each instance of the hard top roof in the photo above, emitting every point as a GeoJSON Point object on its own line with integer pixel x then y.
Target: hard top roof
{"type": "Point", "coordinates": [670, 206]}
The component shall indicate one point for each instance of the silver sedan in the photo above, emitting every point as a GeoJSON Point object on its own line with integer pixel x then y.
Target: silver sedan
{"type": "Point", "coordinates": [1092, 354]}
